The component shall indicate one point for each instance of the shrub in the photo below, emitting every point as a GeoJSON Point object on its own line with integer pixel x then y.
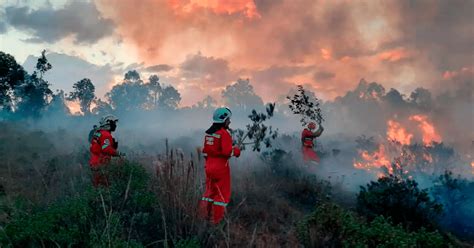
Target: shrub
{"type": "Point", "coordinates": [456, 195]}
{"type": "Point", "coordinates": [331, 226]}
{"type": "Point", "coordinates": [121, 215]}
{"type": "Point", "coordinates": [401, 200]}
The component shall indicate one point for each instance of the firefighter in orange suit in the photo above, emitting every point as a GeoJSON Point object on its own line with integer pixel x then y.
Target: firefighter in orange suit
{"type": "Point", "coordinates": [307, 139]}
{"type": "Point", "coordinates": [218, 149]}
{"type": "Point", "coordinates": [102, 148]}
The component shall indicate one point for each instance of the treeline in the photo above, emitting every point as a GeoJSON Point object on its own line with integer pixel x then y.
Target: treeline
{"type": "Point", "coordinates": [24, 95]}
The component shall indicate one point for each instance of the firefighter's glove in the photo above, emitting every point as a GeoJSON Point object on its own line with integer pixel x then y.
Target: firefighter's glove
{"type": "Point", "coordinates": [236, 151]}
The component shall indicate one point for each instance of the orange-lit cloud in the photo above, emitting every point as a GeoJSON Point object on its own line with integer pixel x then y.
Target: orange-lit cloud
{"type": "Point", "coordinates": [447, 75]}
{"type": "Point", "coordinates": [329, 44]}
{"type": "Point", "coordinates": [246, 7]}
{"type": "Point", "coordinates": [394, 55]}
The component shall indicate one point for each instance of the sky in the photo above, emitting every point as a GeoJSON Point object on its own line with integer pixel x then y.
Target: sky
{"type": "Point", "coordinates": [200, 46]}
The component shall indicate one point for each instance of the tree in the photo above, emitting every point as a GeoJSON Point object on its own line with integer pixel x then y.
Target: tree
{"type": "Point", "coordinates": [11, 76]}
{"type": "Point", "coordinates": [206, 103]}
{"type": "Point", "coordinates": [257, 131]}
{"type": "Point", "coordinates": [155, 89]}
{"type": "Point", "coordinates": [241, 95]}
{"type": "Point", "coordinates": [58, 104]}
{"type": "Point", "coordinates": [169, 97]}
{"type": "Point", "coordinates": [33, 96]}
{"type": "Point", "coordinates": [42, 65]}
{"type": "Point", "coordinates": [132, 94]}
{"type": "Point", "coordinates": [34, 93]}
{"type": "Point", "coordinates": [302, 104]}
{"type": "Point", "coordinates": [132, 77]}
{"type": "Point", "coordinates": [101, 107]}
{"type": "Point", "coordinates": [84, 92]}
{"type": "Point", "coordinates": [401, 200]}
{"type": "Point", "coordinates": [394, 98]}
{"type": "Point", "coordinates": [421, 97]}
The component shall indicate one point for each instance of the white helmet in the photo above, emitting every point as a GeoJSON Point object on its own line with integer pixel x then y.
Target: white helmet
{"type": "Point", "coordinates": [106, 120]}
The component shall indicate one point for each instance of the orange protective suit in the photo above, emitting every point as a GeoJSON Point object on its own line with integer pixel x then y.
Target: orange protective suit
{"type": "Point", "coordinates": [307, 139]}
{"type": "Point", "coordinates": [217, 151]}
{"type": "Point", "coordinates": [102, 148]}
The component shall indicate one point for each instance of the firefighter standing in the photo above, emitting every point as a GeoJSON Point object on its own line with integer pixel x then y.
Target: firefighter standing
{"type": "Point", "coordinates": [307, 140]}
{"type": "Point", "coordinates": [217, 150]}
{"type": "Point", "coordinates": [103, 146]}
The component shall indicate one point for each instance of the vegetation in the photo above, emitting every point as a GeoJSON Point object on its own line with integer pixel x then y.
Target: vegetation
{"type": "Point", "coordinates": [46, 197]}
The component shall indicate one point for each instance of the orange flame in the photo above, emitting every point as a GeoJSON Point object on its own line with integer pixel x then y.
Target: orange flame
{"type": "Point", "coordinates": [427, 157]}
{"type": "Point", "coordinates": [429, 133]}
{"type": "Point", "coordinates": [326, 54]}
{"type": "Point", "coordinates": [377, 159]}
{"type": "Point", "coordinates": [397, 148]}
{"type": "Point", "coordinates": [396, 132]}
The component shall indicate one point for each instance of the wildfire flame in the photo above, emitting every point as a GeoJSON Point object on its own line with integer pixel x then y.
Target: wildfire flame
{"type": "Point", "coordinates": [397, 148]}
{"type": "Point", "coordinates": [395, 132]}
{"type": "Point", "coordinates": [376, 159]}
{"type": "Point", "coordinates": [429, 133]}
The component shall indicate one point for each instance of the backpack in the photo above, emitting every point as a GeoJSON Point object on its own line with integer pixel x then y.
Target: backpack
{"type": "Point", "coordinates": [94, 134]}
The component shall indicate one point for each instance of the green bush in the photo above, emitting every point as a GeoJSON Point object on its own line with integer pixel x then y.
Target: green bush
{"type": "Point", "coordinates": [188, 243]}
{"type": "Point", "coordinates": [121, 215]}
{"type": "Point", "coordinates": [331, 226]}
{"type": "Point", "coordinates": [456, 195]}
{"type": "Point", "coordinates": [401, 200]}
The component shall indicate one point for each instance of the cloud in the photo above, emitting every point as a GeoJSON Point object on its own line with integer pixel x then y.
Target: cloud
{"type": "Point", "coordinates": [245, 7]}
{"type": "Point", "coordinates": [276, 80]}
{"type": "Point", "coordinates": [3, 27]}
{"type": "Point", "coordinates": [400, 44]}
{"type": "Point", "coordinates": [441, 30]}
{"type": "Point", "coordinates": [68, 69]}
{"type": "Point", "coordinates": [79, 19]}
{"type": "Point", "coordinates": [209, 70]}
{"type": "Point", "coordinates": [323, 75]}
{"type": "Point", "coordinates": [159, 68]}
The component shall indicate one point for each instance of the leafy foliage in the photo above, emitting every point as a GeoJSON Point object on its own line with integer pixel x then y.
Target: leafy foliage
{"type": "Point", "coordinates": [131, 95]}
{"type": "Point", "coordinates": [301, 104]}
{"type": "Point", "coordinates": [84, 92]}
{"type": "Point", "coordinates": [120, 215]}
{"type": "Point", "coordinates": [101, 107]}
{"type": "Point", "coordinates": [169, 97]}
{"type": "Point", "coordinates": [42, 65]}
{"type": "Point", "coordinates": [331, 226]}
{"type": "Point", "coordinates": [241, 95]}
{"type": "Point", "coordinates": [257, 131]}
{"type": "Point", "coordinates": [34, 92]}
{"type": "Point", "coordinates": [155, 89]}
{"type": "Point", "coordinates": [11, 75]}
{"type": "Point", "coordinates": [455, 193]}
{"type": "Point", "coordinates": [401, 200]}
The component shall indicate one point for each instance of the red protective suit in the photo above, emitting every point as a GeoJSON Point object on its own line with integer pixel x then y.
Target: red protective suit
{"type": "Point", "coordinates": [102, 148]}
{"type": "Point", "coordinates": [217, 151]}
{"type": "Point", "coordinates": [307, 138]}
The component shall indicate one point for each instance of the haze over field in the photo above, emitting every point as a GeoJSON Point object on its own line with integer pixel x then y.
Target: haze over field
{"type": "Point", "coordinates": [394, 81]}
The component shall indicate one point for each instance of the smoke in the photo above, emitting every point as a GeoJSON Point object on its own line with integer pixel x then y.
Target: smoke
{"type": "Point", "coordinates": [389, 42]}
{"type": "Point", "coordinates": [364, 119]}
{"type": "Point", "coordinates": [81, 20]}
